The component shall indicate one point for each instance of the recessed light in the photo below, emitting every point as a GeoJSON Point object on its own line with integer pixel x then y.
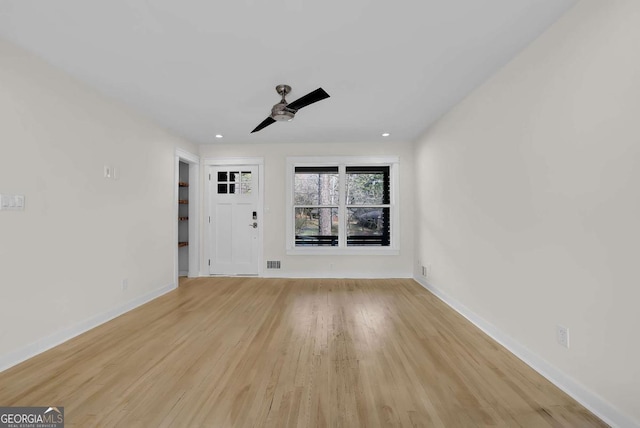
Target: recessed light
{"type": "Point", "coordinates": [386, 134]}
{"type": "Point", "coordinates": [218, 135]}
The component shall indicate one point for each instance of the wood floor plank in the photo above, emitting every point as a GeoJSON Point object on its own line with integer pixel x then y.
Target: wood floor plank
{"type": "Point", "coordinates": [253, 352]}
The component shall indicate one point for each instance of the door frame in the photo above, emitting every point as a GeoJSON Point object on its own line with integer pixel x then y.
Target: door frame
{"type": "Point", "coordinates": [194, 213]}
{"type": "Point", "coordinates": [209, 162]}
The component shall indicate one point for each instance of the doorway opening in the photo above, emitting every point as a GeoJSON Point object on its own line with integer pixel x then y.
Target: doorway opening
{"type": "Point", "coordinates": [187, 242]}
{"type": "Point", "coordinates": [183, 219]}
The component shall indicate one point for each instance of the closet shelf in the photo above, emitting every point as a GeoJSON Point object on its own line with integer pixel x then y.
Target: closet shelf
{"type": "Point", "coordinates": [183, 184]}
{"type": "Point", "coordinates": [183, 201]}
{"type": "Point", "coordinates": [183, 218]}
{"type": "Point", "coordinates": [182, 244]}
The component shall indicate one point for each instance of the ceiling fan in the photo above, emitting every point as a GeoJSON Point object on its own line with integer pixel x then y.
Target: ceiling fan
{"type": "Point", "coordinates": [284, 111]}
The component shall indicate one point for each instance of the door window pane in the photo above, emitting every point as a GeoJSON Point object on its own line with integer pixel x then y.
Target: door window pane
{"type": "Point", "coordinates": [245, 182]}
{"type": "Point", "coordinates": [234, 182]}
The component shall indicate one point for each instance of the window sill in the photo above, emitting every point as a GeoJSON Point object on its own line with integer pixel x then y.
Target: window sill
{"type": "Point", "coordinates": [342, 252]}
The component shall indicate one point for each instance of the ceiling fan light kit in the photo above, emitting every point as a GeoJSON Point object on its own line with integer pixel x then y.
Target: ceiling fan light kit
{"type": "Point", "coordinates": [284, 111]}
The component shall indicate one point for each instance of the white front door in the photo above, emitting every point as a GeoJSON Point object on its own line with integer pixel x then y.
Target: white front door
{"type": "Point", "coordinates": [233, 208]}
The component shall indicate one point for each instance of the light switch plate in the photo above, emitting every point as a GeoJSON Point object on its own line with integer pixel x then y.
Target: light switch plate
{"type": "Point", "coordinates": [11, 202]}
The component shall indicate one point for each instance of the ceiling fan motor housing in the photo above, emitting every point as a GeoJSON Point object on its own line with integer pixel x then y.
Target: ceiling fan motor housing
{"type": "Point", "coordinates": [282, 113]}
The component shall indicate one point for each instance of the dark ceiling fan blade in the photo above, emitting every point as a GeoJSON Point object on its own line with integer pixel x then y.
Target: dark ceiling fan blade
{"type": "Point", "coordinates": [268, 121]}
{"type": "Point", "coordinates": [312, 97]}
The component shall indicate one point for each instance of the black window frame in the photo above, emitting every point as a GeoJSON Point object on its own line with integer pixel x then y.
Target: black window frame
{"type": "Point", "coordinates": [348, 240]}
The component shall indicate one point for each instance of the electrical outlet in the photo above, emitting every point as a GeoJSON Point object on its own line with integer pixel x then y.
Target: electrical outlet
{"type": "Point", "coordinates": [426, 271]}
{"type": "Point", "coordinates": [562, 335]}
{"type": "Point", "coordinates": [125, 285]}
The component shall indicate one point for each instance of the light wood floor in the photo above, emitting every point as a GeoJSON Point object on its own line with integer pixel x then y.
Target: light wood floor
{"type": "Point", "coordinates": [240, 352]}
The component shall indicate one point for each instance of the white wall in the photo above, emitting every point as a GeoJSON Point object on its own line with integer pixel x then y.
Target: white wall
{"type": "Point", "coordinates": [274, 194]}
{"type": "Point", "coordinates": [529, 205]}
{"type": "Point", "coordinates": [63, 259]}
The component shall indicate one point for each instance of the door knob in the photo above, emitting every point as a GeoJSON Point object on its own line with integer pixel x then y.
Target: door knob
{"type": "Point", "coordinates": [254, 224]}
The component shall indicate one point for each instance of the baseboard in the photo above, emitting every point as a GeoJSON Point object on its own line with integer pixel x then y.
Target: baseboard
{"type": "Point", "coordinates": [275, 273]}
{"type": "Point", "coordinates": [331, 275]}
{"type": "Point", "coordinates": [578, 392]}
{"type": "Point", "coordinates": [48, 342]}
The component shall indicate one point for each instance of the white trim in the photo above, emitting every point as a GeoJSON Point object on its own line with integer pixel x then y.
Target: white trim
{"type": "Point", "coordinates": [194, 220]}
{"type": "Point", "coordinates": [348, 251]}
{"type": "Point", "coordinates": [276, 273]}
{"type": "Point", "coordinates": [209, 162]}
{"type": "Point", "coordinates": [187, 156]}
{"type": "Point", "coordinates": [596, 404]}
{"type": "Point", "coordinates": [55, 339]}
{"type": "Point", "coordinates": [233, 161]}
{"type": "Point", "coordinates": [343, 161]}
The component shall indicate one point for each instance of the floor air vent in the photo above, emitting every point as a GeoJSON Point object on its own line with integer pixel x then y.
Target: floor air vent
{"type": "Point", "coordinates": [273, 264]}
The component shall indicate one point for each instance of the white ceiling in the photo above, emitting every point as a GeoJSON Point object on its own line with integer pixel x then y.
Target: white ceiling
{"type": "Point", "coordinates": [203, 67]}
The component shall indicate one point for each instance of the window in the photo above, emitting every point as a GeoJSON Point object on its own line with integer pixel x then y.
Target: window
{"type": "Point", "coordinates": [368, 202]}
{"type": "Point", "coordinates": [316, 197]}
{"type": "Point", "coordinates": [342, 206]}
{"type": "Point", "coordinates": [234, 182]}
